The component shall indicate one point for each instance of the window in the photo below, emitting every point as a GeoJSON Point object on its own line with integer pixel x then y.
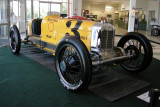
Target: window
{"type": "Point", "coordinates": [61, 6]}
{"type": "Point", "coordinates": [3, 19]}
{"type": "Point", "coordinates": [44, 9]}
{"type": "Point", "coordinates": [52, 0]}
{"type": "Point", "coordinates": [36, 9]}
{"type": "Point", "coordinates": [28, 10]}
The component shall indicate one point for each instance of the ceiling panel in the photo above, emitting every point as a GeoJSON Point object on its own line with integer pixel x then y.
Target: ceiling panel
{"type": "Point", "coordinates": [106, 1]}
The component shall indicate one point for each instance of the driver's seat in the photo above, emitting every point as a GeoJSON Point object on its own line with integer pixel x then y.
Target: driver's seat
{"type": "Point", "coordinates": [36, 26]}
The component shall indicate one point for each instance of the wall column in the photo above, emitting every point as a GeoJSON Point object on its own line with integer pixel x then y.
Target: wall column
{"type": "Point", "coordinates": [32, 16]}
{"type": "Point", "coordinates": [131, 16]}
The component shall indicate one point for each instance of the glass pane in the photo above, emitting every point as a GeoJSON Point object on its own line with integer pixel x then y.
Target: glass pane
{"type": "Point", "coordinates": [28, 3]}
{"type": "Point", "coordinates": [64, 8]}
{"type": "Point", "coordinates": [65, 0]}
{"type": "Point", "coordinates": [3, 19]}
{"type": "Point", "coordinates": [56, 8]}
{"type": "Point", "coordinates": [15, 13]}
{"type": "Point", "coordinates": [3, 11]}
{"type": "Point", "coordinates": [45, 0]}
{"type": "Point", "coordinates": [52, 0]}
{"type": "Point", "coordinates": [15, 7]}
{"type": "Point", "coordinates": [67, 10]}
{"type": "Point", "coordinates": [36, 8]}
{"type": "Point", "coordinates": [4, 32]}
{"type": "Point", "coordinates": [56, 0]}
{"type": "Point", "coordinates": [22, 26]}
{"type": "Point", "coordinates": [44, 9]}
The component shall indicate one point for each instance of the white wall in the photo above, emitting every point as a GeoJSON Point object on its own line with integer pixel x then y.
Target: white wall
{"type": "Point", "coordinates": [98, 9]}
{"type": "Point", "coordinates": [110, 11]}
{"type": "Point", "coordinates": [77, 7]}
{"type": "Point", "coordinates": [124, 5]}
{"type": "Point", "coordinates": [142, 4]}
{"type": "Point", "coordinates": [86, 5]}
{"type": "Point", "coordinates": [154, 5]}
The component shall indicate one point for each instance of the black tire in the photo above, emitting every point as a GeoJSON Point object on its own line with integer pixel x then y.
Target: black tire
{"type": "Point", "coordinates": [140, 47]}
{"type": "Point", "coordinates": [155, 32]}
{"type": "Point", "coordinates": [73, 64]}
{"type": "Point", "coordinates": [14, 39]}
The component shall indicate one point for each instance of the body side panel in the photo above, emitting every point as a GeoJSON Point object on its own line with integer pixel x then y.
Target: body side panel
{"type": "Point", "coordinates": [54, 28]}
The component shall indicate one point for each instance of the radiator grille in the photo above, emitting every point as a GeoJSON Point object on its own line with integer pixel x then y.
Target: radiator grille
{"type": "Point", "coordinates": [107, 39]}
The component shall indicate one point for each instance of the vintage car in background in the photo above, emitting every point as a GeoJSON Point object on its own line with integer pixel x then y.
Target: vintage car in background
{"type": "Point", "coordinates": [81, 47]}
{"type": "Point", "coordinates": [155, 30]}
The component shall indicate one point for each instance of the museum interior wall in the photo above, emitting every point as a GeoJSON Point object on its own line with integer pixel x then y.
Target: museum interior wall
{"type": "Point", "coordinates": [145, 10]}
{"type": "Point", "coordinates": [20, 12]}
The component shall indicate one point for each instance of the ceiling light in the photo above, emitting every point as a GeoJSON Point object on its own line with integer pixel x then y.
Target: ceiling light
{"type": "Point", "coordinates": [108, 7]}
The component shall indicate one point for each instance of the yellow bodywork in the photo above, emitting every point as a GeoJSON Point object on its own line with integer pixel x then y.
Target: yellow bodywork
{"type": "Point", "coordinates": [53, 29]}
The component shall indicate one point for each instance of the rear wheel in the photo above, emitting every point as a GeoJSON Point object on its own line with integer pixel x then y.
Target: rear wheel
{"type": "Point", "coordinates": [73, 64]}
{"type": "Point", "coordinates": [139, 46]}
{"type": "Point", "coordinates": [14, 40]}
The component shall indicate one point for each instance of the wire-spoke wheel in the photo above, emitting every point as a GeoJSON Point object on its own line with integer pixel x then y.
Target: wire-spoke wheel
{"type": "Point", "coordinates": [14, 39]}
{"type": "Point", "coordinates": [140, 48]}
{"type": "Point", "coordinates": [73, 64]}
{"type": "Point", "coordinates": [70, 65]}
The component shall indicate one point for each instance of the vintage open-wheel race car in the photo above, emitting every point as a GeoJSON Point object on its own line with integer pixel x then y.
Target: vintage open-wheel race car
{"type": "Point", "coordinates": [81, 47]}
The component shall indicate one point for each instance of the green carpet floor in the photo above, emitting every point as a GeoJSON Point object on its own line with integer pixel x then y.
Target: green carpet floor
{"type": "Point", "coordinates": [26, 83]}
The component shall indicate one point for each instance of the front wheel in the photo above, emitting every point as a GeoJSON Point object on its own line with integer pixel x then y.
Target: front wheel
{"type": "Point", "coordinates": [139, 46]}
{"type": "Point", "coordinates": [14, 40]}
{"type": "Point", "coordinates": [155, 32]}
{"type": "Point", "coordinates": [73, 64]}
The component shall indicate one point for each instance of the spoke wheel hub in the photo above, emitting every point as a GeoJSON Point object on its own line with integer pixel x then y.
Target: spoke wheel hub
{"type": "Point", "coordinates": [63, 66]}
{"type": "Point", "coordinates": [66, 63]}
{"type": "Point", "coordinates": [133, 51]}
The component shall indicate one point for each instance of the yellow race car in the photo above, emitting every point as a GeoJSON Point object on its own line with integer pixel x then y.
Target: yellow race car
{"type": "Point", "coordinates": [82, 47]}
